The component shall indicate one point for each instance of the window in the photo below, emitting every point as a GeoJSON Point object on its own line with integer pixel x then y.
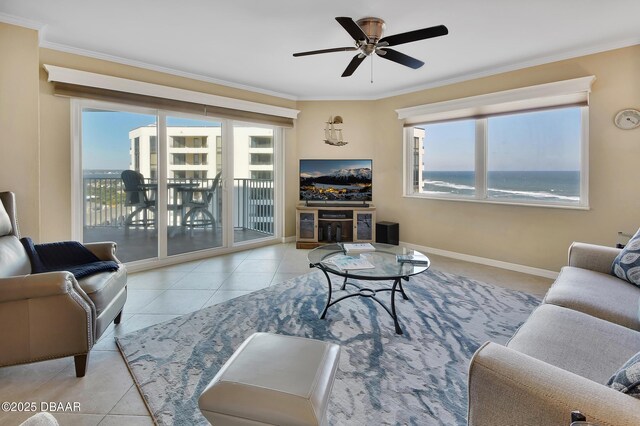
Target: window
{"type": "Point", "coordinates": [179, 159]}
{"type": "Point", "coordinates": [523, 146]}
{"type": "Point", "coordinates": [261, 142]}
{"type": "Point", "coordinates": [448, 156]}
{"type": "Point", "coordinates": [153, 159]}
{"type": "Point", "coordinates": [136, 154]}
{"type": "Point", "coordinates": [113, 137]}
{"type": "Point", "coordinates": [262, 174]}
{"type": "Point", "coordinates": [261, 159]}
{"type": "Point", "coordinates": [178, 141]}
{"type": "Point", "coordinates": [535, 156]}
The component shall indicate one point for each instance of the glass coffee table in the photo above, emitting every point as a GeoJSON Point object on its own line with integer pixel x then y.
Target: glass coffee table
{"type": "Point", "coordinates": [385, 267]}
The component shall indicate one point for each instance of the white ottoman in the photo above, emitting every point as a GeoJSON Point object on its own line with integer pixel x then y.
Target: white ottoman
{"type": "Point", "coordinates": [273, 380]}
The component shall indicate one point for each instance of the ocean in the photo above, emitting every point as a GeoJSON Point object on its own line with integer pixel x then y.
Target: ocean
{"type": "Point", "coordinates": [101, 173]}
{"type": "Point", "coordinates": [563, 186]}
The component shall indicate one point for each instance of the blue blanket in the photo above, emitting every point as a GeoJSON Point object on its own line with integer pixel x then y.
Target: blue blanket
{"type": "Point", "coordinates": [68, 256]}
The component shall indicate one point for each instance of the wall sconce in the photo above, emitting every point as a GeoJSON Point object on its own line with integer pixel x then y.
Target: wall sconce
{"type": "Point", "coordinates": [332, 134]}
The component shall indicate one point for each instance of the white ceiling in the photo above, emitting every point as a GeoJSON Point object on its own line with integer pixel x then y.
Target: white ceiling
{"type": "Point", "coordinates": [249, 43]}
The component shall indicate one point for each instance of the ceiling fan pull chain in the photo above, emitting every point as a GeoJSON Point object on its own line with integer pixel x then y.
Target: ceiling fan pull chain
{"type": "Point", "coordinates": [371, 56]}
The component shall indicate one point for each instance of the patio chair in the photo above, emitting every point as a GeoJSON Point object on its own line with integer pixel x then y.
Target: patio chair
{"type": "Point", "coordinates": [199, 214]}
{"type": "Point", "coordinates": [136, 197]}
{"type": "Point", "coordinates": [52, 314]}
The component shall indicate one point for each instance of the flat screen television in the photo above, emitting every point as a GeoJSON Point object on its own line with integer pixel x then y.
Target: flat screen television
{"type": "Point", "coordinates": [336, 180]}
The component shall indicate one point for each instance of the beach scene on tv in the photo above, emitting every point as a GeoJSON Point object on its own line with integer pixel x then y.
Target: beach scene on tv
{"type": "Point", "coordinates": [335, 180]}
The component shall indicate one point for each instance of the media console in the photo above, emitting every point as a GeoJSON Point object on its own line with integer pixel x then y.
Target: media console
{"type": "Point", "coordinates": [324, 224]}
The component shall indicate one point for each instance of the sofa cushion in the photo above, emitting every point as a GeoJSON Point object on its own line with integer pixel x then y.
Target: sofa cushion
{"type": "Point", "coordinates": [576, 342]}
{"type": "Point", "coordinates": [627, 379]}
{"type": "Point", "coordinates": [102, 288]}
{"type": "Point", "coordinates": [600, 295]}
{"type": "Point", "coordinates": [627, 264]}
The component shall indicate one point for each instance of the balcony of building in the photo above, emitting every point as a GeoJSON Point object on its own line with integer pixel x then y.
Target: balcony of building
{"type": "Point", "coordinates": [107, 215]}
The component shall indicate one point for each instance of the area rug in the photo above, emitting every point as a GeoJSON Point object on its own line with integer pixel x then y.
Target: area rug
{"type": "Point", "coordinates": [418, 378]}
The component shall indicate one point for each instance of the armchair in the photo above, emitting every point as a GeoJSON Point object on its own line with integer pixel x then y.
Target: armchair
{"type": "Point", "coordinates": [52, 315]}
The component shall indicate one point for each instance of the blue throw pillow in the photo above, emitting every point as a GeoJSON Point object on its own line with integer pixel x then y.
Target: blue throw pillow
{"type": "Point", "coordinates": [627, 263]}
{"type": "Point", "coordinates": [627, 379]}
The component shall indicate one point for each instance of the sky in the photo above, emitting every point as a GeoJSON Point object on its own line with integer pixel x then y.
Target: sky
{"type": "Point", "coordinates": [540, 141]}
{"type": "Point", "coordinates": [323, 167]}
{"type": "Point", "coordinates": [105, 136]}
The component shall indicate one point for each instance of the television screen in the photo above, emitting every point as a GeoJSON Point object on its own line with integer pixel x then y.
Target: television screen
{"type": "Point", "coordinates": [335, 180]}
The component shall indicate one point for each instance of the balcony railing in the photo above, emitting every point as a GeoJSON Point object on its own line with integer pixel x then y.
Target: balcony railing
{"type": "Point", "coordinates": [254, 204]}
{"type": "Point", "coordinates": [104, 202]}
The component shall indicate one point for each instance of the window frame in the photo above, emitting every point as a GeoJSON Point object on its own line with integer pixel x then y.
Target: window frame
{"type": "Point", "coordinates": [559, 94]}
{"type": "Point", "coordinates": [481, 159]}
{"type": "Point", "coordinates": [77, 105]}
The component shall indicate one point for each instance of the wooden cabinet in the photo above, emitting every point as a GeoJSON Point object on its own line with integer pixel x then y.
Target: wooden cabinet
{"type": "Point", "coordinates": [364, 226]}
{"type": "Point", "coordinates": [307, 225]}
{"type": "Point", "coordinates": [317, 225]}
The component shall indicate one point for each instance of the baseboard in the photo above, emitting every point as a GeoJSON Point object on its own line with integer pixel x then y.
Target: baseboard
{"type": "Point", "coordinates": [286, 240]}
{"type": "Point", "coordinates": [485, 261]}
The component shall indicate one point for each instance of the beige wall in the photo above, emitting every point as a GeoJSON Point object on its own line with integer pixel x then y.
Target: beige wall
{"type": "Point", "coordinates": [19, 152]}
{"type": "Point", "coordinates": [36, 125]}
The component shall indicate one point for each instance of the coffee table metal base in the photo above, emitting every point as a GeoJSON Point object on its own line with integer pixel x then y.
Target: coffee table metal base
{"type": "Point", "coordinates": [370, 293]}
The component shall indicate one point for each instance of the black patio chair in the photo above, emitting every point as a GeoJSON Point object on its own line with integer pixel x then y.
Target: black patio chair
{"type": "Point", "coordinates": [136, 197]}
{"type": "Point", "coordinates": [199, 214]}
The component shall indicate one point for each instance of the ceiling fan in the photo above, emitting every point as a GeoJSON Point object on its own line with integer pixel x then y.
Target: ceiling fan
{"type": "Point", "coordinates": [367, 33]}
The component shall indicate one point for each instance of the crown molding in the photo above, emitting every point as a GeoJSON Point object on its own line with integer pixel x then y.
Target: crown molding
{"type": "Point", "coordinates": [21, 22]}
{"type": "Point", "coordinates": [144, 65]}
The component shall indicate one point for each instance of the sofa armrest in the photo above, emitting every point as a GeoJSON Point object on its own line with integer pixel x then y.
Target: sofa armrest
{"type": "Point", "coordinates": [103, 250]}
{"type": "Point", "coordinates": [594, 257]}
{"type": "Point", "coordinates": [37, 285]}
{"type": "Point", "coordinates": [507, 387]}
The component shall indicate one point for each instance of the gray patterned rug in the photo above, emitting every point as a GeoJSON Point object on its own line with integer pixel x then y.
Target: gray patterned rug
{"type": "Point", "coordinates": [416, 378]}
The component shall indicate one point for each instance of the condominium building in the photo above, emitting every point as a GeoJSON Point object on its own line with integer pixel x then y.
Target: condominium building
{"type": "Point", "coordinates": [418, 155]}
{"type": "Point", "coordinates": [196, 152]}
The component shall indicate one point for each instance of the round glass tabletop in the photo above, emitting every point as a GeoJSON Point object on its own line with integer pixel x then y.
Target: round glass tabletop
{"type": "Point", "coordinates": [380, 264]}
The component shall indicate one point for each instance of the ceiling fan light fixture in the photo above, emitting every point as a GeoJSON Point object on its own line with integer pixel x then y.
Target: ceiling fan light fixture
{"type": "Point", "coordinates": [367, 35]}
{"type": "Point", "coordinates": [372, 27]}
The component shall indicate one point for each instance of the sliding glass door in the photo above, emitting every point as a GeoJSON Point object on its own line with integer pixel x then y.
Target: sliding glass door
{"type": "Point", "coordinates": [162, 184]}
{"type": "Point", "coordinates": [119, 166]}
{"type": "Point", "coordinates": [254, 149]}
{"type": "Point", "coordinates": [195, 200]}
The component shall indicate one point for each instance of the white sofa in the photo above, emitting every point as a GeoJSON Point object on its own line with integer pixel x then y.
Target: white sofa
{"type": "Point", "coordinates": [560, 359]}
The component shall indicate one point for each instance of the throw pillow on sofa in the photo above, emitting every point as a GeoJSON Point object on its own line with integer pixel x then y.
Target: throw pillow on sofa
{"type": "Point", "coordinates": [627, 264]}
{"type": "Point", "coordinates": [627, 379]}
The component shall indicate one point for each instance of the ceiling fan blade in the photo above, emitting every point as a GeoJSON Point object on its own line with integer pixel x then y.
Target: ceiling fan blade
{"type": "Point", "coordinates": [401, 58]}
{"type": "Point", "coordinates": [352, 28]}
{"type": "Point", "coordinates": [355, 62]}
{"type": "Point", "coordinates": [316, 52]}
{"type": "Point", "coordinates": [416, 35]}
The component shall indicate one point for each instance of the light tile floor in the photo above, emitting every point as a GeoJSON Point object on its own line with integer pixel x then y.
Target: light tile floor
{"type": "Point", "coordinates": [107, 394]}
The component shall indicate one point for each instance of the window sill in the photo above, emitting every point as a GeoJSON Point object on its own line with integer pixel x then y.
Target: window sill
{"type": "Point", "coordinates": [507, 203]}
